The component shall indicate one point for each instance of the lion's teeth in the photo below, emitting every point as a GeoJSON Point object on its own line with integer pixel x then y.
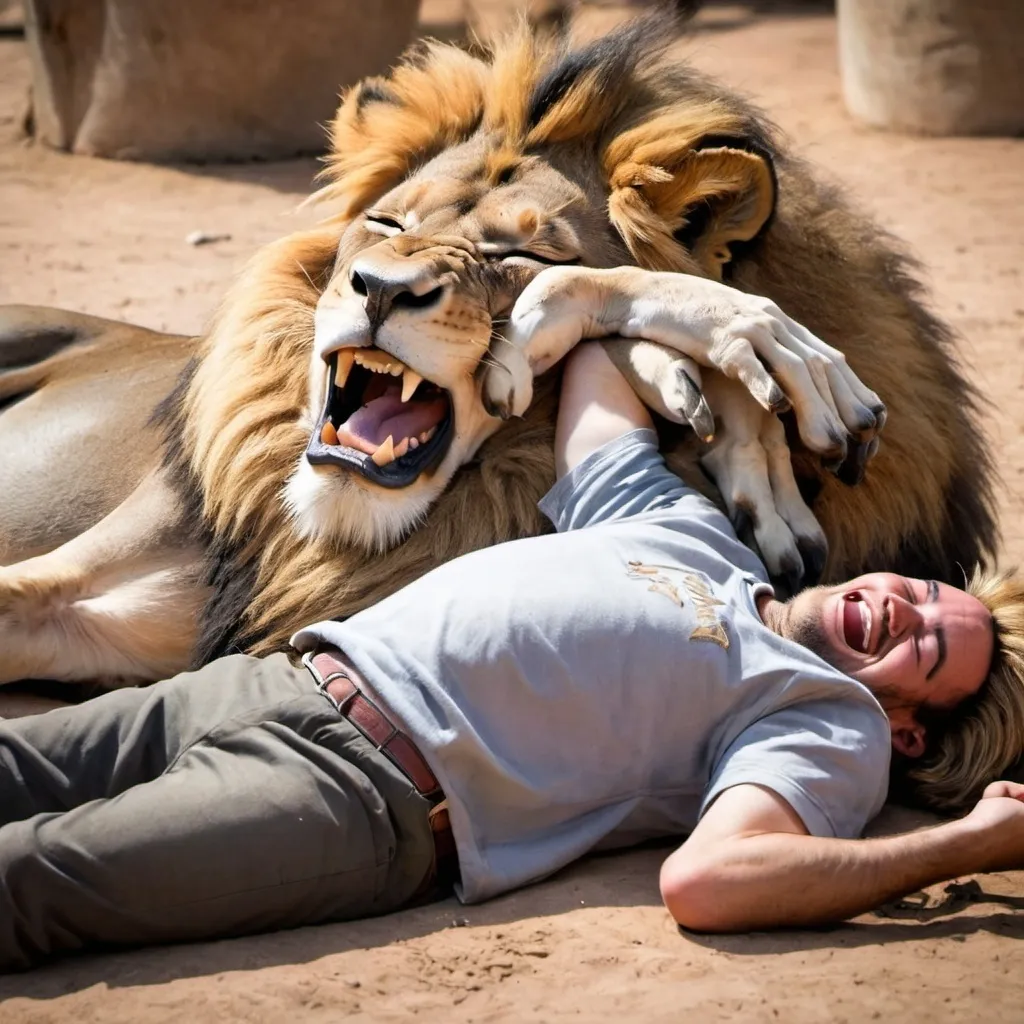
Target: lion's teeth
{"type": "Point", "coordinates": [379, 362]}
{"type": "Point", "coordinates": [410, 382]}
{"type": "Point", "coordinates": [328, 434]}
{"type": "Point", "coordinates": [414, 442]}
{"type": "Point", "coordinates": [385, 453]}
{"type": "Point", "coordinates": [427, 435]}
{"type": "Point", "coordinates": [401, 449]}
{"type": "Point", "coordinates": [346, 357]}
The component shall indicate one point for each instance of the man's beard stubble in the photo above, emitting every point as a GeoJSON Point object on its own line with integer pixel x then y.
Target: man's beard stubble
{"type": "Point", "coordinates": [803, 625]}
{"type": "Point", "coordinates": [808, 631]}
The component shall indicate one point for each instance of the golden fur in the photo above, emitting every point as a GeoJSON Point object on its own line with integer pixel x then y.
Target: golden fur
{"type": "Point", "coordinates": [691, 177]}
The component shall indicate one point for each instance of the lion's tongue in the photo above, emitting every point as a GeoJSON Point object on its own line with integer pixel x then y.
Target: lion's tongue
{"type": "Point", "coordinates": [388, 416]}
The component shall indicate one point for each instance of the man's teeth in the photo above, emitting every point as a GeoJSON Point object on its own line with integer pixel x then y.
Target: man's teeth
{"type": "Point", "coordinates": [379, 362]}
{"type": "Point", "coordinates": [865, 622]}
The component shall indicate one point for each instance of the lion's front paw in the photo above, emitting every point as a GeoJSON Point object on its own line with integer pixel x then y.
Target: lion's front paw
{"type": "Point", "coordinates": [665, 381]}
{"type": "Point", "coordinates": [506, 384]}
{"type": "Point", "coordinates": [751, 465]}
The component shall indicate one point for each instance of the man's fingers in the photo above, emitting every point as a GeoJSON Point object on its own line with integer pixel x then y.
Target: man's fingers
{"type": "Point", "coordinates": [1003, 788]}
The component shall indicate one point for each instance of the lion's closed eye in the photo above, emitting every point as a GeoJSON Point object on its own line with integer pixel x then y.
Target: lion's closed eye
{"type": "Point", "coordinates": [383, 224]}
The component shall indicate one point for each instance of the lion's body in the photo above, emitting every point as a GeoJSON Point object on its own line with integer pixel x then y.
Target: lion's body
{"type": "Point", "coordinates": [67, 461]}
{"type": "Point", "coordinates": [239, 421]}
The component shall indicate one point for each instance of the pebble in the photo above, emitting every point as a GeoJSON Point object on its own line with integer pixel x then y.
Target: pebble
{"type": "Point", "coordinates": [206, 237]}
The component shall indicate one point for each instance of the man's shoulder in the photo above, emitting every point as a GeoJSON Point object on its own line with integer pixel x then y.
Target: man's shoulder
{"type": "Point", "coordinates": [801, 675]}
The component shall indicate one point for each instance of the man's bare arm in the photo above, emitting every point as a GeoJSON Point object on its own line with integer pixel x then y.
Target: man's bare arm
{"type": "Point", "coordinates": [750, 863]}
{"type": "Point", "coordinates": [596, 406]}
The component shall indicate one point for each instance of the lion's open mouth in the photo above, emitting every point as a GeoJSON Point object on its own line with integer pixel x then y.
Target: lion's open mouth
{"type": "Point", "coordinates": [381, 418]}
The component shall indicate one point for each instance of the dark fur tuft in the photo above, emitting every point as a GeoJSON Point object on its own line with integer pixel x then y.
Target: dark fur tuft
{"type": "Point", "coordinates": [611, 58]}
{"type": "Point", "coordinates": [373, 90]}
{"type": "Point", "coordinates": [231, 578]}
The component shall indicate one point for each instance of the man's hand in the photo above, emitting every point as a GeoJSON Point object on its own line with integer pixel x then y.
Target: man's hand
{"type": "Point", "coordinates": [715, 325]}
{"type": "Point", "coordinates": [999, 818]}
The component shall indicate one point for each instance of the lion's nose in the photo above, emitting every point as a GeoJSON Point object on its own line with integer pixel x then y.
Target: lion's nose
{"type": "Point", "coordinates": [385, 289]}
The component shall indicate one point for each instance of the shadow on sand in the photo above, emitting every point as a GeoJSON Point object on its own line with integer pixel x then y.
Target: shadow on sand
{"type": "Point", "coordinates": [619, 880]}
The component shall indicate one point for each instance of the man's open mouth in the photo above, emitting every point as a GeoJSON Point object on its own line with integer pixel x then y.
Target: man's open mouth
{"type": "Point", "coordinates": [856, 623]}
{"type": "Point", "coordinates": [381, 418]}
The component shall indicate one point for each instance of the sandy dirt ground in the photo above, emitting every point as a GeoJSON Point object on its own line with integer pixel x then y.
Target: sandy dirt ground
{"type": "Point", "coordinates": [592, 943]}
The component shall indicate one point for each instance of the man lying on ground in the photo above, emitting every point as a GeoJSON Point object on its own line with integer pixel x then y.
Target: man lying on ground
{"type": "Point", "coordinates": [631, 676]}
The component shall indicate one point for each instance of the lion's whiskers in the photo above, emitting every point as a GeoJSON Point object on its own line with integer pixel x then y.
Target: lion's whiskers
{"type": "Point", "coordinates": [305, 274]}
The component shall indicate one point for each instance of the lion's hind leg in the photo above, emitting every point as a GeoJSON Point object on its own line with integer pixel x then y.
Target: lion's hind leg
{"type": "Point", "coordinates": [117, 604]}
{"type": "Point", "coordinates": [77, 394]}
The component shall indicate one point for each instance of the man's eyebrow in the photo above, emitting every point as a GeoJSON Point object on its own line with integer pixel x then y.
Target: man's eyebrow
{"type": "Point", "coordinates": [940, 633]}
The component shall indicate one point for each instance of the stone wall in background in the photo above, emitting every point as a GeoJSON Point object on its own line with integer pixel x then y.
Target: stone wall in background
{"type": "Point", "coordinates": [202, 79]}
{"type": "Point", "coordinates": [938, 67]}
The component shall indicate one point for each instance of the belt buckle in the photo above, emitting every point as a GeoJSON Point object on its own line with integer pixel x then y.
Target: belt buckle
{"type": "Point", "coordinates": [322, 683]}
{"type": "Point", "coordinates": [319, 681]}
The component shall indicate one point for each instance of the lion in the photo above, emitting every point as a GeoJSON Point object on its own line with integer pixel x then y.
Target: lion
{"type": "Point", "coordinates": [170, 500]}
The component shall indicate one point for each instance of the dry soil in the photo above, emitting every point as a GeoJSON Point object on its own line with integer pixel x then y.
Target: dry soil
{"type": "Point", "coordinates": [592, 943]}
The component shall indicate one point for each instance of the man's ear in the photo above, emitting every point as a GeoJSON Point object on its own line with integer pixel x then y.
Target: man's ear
{"type": "Point", "coordinates": [723, 196]}
{"type": "Point", "coordinates": [908, 738]}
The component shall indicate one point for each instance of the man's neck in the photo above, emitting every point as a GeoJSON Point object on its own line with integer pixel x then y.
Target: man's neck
{"type": "Point", "coordinates": [772, 612]}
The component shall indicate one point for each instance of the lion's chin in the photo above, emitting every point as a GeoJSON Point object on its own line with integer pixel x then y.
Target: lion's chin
{"type": "Point", "coordinates": [336, 506]}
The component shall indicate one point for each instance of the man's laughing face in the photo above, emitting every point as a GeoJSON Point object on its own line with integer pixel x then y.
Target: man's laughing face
{"type": "Point", "coordinates": [912, 642]}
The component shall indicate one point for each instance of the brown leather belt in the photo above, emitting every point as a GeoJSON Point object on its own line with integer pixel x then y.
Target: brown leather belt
{"type": "Point", "coordinates": [334, 677]}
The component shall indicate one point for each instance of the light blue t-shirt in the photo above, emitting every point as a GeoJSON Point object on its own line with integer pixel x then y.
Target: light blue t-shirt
{"type": "Point", "coordinates": [601, 686]}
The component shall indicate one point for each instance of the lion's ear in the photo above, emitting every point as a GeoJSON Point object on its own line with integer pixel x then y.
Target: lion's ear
{"type": "Point", "coordinates": [717, 197]}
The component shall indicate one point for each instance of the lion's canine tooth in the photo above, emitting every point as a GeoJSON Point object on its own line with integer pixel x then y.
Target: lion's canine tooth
{"type": "Point", "coordinates": [346, 357]}
{"type": "Point", "coordinates": [328, 434]}
{"type": "Point", "coordinates": [410, 382]}
{"type": "Point", "coordinates": [402, 448]}
{"type": "Point", "coordinates": [385, 452]}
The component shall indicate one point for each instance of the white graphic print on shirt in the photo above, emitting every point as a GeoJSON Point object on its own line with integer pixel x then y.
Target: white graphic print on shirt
{"type": "Point", "coordinates": [666, 579]}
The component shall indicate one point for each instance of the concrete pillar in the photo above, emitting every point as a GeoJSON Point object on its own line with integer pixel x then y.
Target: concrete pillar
{"type": "Point", "coordinates": [937, 67]}
{"type": "Point", "coordinates": [202, 79]}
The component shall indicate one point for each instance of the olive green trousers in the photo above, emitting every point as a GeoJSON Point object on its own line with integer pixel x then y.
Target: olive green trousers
{"type": "Point", "coordinates": [222, 802]}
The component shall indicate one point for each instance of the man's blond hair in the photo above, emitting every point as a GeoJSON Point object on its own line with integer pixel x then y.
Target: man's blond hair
{"type": "Point", "coordinates": [983, 737]}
